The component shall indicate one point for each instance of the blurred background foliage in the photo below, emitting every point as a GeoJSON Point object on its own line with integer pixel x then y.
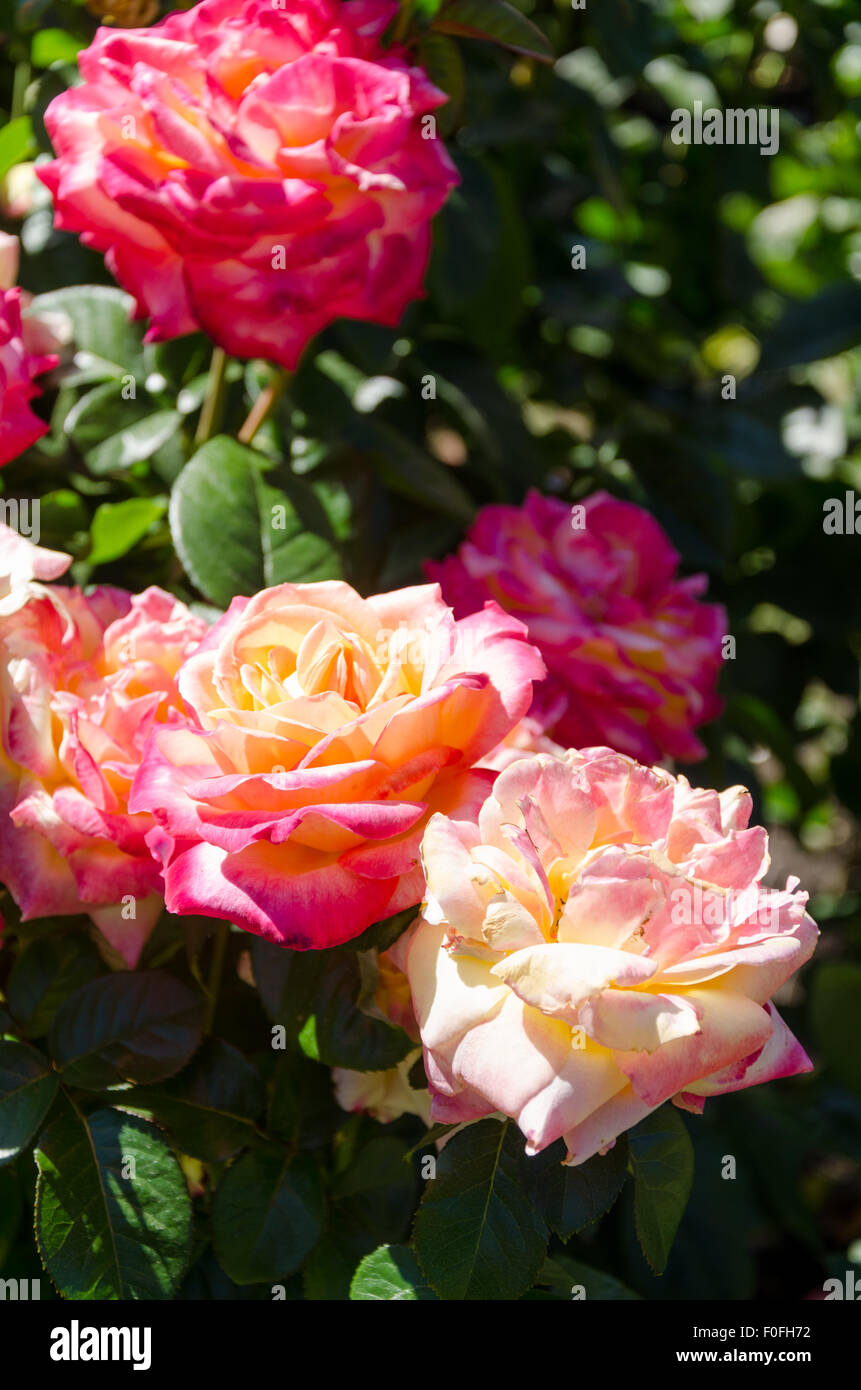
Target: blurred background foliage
{"type": "Point", "coordinates": [519, 371]}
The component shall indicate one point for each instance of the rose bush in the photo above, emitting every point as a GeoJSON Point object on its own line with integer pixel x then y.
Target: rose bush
{"type": "Point", "coordinates": [596, 943]}
{"type": "Point", "coordinates": [194, 731]}
{"type": "Point", "coordinates": [83, 679]}
{"type": "Point", "coordinates": [254, 170]}
{"type": "Point", "coordinates": [324, 730]}
{"type": "Point", "coordinates": [632, 656]}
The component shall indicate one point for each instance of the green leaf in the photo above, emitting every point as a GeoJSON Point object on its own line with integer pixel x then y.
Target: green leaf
{"type": "Point", "coordinates": [27, 1088]}
{"type": "Point", "coordinates": [17, 143]}
{"type": "Point", "coordinates": [497, 21]}
{"type": "Point", "coordinates": [113, 1216]}
{"type": "Point", "coordinates": [287, 982]}
{"type": "Point", "coordinates": [328, 1271]}
{"type": "Point", "coordinates": [267, 1215]}
{"type": "Point", "coordinates": [662, 1160]}
{"type": "Point", "coordinates": [118, 526]}
{"type": "Point", "coordinates": [748, 445]}
{"type": "Point", "coordinates": [302, 1108]}
{"type": "Point", "coordinates": [101, 413]}
{"type": "Point", "coordinates": [139, 1027]}
{"type": "Point", "coordinates": [430, 1137]}
{"type": "Point", "coordinates": [209, 1109]}
{"type": "Point", "coordinates": [376, 1193]}
{"type": "Point", "coordinates": [835, 1007]}
{"type": "Point", "coordinates": [327, 388]}
{"type": "Point", "coordinates": [477, 1235]}
{"type": "Point", "coordinates": [345, 1036]}
{"type": "Point", "coordinates": [811, 329]}
{"type": "Point", "coordinates": [390, 1274]}
{"type": "Point", "coordinates": [11, 1209]}
{"type": "Point", "coordinates": [409, 470]}
{"type": "Point", "coordinates": [441, 59]}
{"type": "Point", "coordinates": [135, 443]}
{"type": "Point", "coordinates": [62, 513]}
{"type": "Point", "coordinates": [46, 972]}
{"type": "Point", "coordinates": [101, 322]}
{"type": "Point", "coordinates": [266, 534]}
{"type": "Point", "coordinates": [383, 934]}
{"type": "Point", "coordinates": [480, 265]}
{"type": "Point", "coordinates": [568, 1198]}
{"type": "Point", "coordinates": [54, 46]}
{"type": "Point", "coordinates": [566, 1277]}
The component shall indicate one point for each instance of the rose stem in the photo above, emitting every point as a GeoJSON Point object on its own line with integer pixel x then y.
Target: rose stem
{"type": "Point", "coordinates": [213, 403]}
{"type": "Point", "coordinates": [402, 23]}
{"type": "Point", "coordinates": [216, 967]}
{"type": "Point", "coordinates": [263, 406]}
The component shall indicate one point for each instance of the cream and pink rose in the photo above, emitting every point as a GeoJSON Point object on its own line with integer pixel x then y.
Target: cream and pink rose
{"type": "Point", "coordinates": [253, 169]}
{"type": "Point", "coordinates": [597, 942]}
{"type": "Point", "coordinates": [633, 656]}
{"type": "Point", "coordinates": [83, 678]}
{"type": "Point", "coordinates": [324, 729]}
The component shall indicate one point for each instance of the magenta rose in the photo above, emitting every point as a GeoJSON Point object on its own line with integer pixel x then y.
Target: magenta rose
{"type": "Point", "coordinates": [253, 169]}
{"type": "Point", "coordinates": [632, 654]}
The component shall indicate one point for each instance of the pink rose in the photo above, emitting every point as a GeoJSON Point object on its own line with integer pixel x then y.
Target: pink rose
{"type": "Point", "coordinates": [253, 169]}
{"type": "Point", "coordinates": [84, 677]}
{"type": "Point", "coordinates": [599, 942]}
{"type": "Point", "coordinates": [22, 358]}
{"type": "Point", "coordinates": [326, 729]}
{"type": "Point", "coordinates": [633, 656]}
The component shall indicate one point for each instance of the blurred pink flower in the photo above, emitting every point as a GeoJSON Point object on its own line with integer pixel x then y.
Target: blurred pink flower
{"type": "Point", "coordinates": [632, 655]}
{"type": "Point", "coordinates": [597, 943]}
{"type": "Point", "coordinates": [253, 169]}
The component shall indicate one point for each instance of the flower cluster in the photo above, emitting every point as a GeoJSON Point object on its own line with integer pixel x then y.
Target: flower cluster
{"type": "Point", "coordinates": [594, 937]}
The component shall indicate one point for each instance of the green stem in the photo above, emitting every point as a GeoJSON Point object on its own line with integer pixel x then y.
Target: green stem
{"type": "Point", "coordinates": [20, 83]}
{"type": "Point", "coordinates": [216, 969]}
{"type": "Point", "coordinates": [402, 23]}
{"type": "Point", "coordinates": [264, 405]}
{"type": "Point", "coordinates": [213, 403]}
